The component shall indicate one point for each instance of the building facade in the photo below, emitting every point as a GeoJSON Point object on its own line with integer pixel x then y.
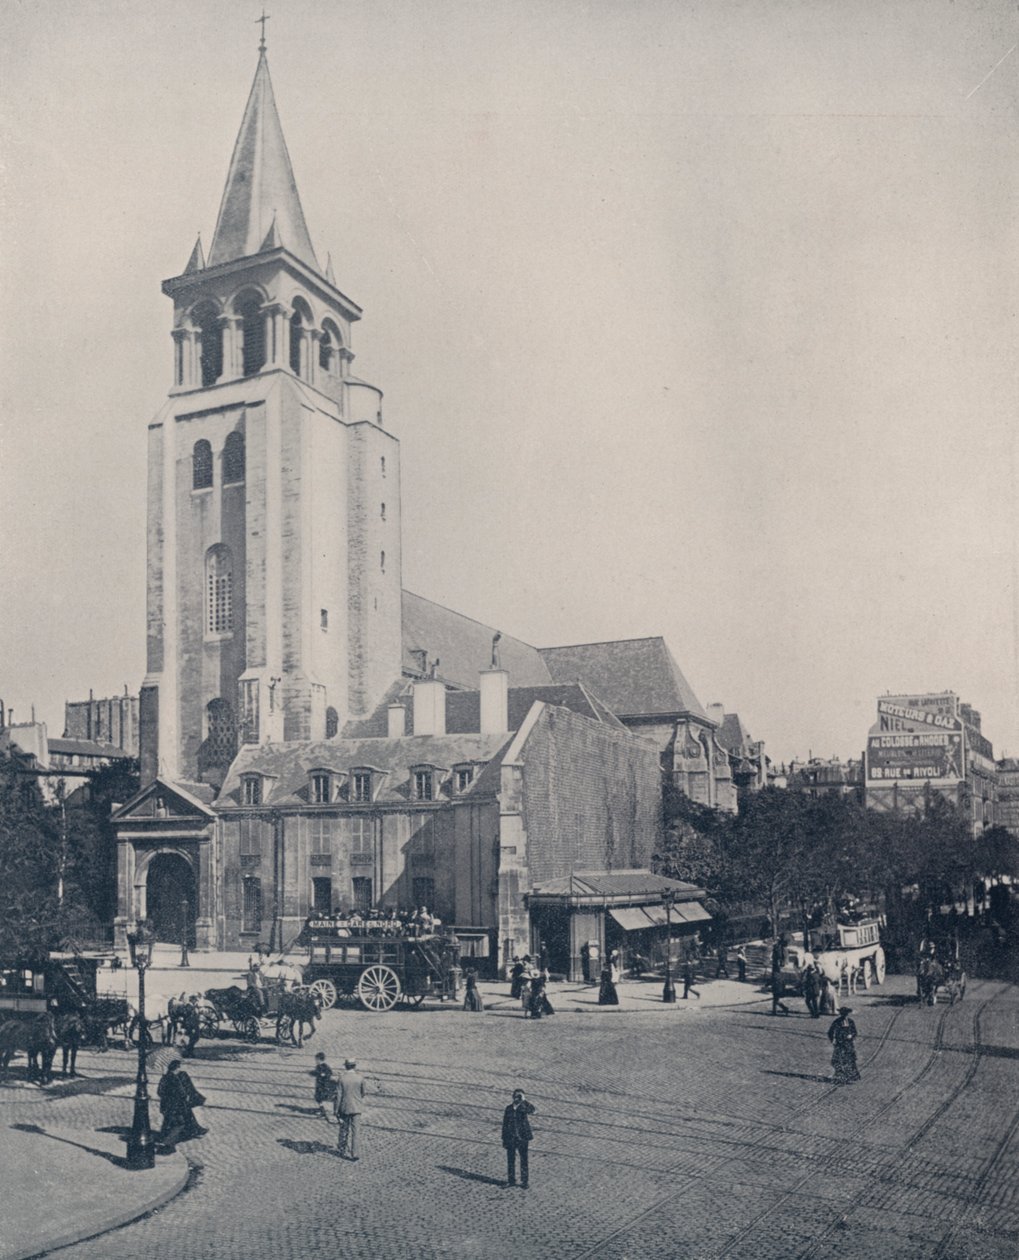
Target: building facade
{"type": "Point", "coordinates": [312, 734]}
{"type": "Point", "coordinates": [930, 743]}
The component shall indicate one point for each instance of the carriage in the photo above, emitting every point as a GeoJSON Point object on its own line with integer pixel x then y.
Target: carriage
{"type": "Point", "coordinates": [287, 1012]}
{"type": "Point", "coordinates": [377, 964]}
{"type": "Point", "coordinates": [850, 953]}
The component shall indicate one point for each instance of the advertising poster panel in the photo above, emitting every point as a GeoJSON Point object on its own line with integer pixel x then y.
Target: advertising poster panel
{"type": "Point", "coordinates": [914, 756]}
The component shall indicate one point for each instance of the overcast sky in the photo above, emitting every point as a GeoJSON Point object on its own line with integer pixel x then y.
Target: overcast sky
{"type": "Point", "coordinates": [693, 319]}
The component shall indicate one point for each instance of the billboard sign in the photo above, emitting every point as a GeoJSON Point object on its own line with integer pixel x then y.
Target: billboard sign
{"type": "Point", "coordinates": [911, 713]}
{"type": "Point", "coordinates": [914, 756]}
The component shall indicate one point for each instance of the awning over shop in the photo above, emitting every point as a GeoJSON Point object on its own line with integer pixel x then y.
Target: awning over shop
{"type": "Point", "coordinates": [640, 918]}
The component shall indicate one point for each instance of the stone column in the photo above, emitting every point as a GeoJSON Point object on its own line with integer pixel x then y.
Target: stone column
{"type": "Point", "coordinates": [233, 351]}
{"type": "Point", "coordinates": [205, 893]}
{"type": "Point", "coordinates": [275, 335]}
{"type": "Point", "coordinates": [180, 356]}
{"type": "Point", "coordinates": [314, 337]}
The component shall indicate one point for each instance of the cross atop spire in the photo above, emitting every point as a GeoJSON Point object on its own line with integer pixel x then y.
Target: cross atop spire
{"type": "Point", "coordinates": [263, 19]}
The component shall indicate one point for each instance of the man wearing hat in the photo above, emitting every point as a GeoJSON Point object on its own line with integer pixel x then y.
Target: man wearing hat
{"type": "Point", "coordinates": [517, 1136]}
{"type": "Point", "coordinates": [842, 1035]}
{"type": "Point", "coordinates": [350, 1092]}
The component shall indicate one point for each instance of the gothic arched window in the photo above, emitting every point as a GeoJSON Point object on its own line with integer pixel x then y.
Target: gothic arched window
{"type": "Point", "coordinates": [233, 457]}
{"type": "Point", "coordinates": [201, 465]}
{"type": "Point", "coordinates": [219, 612]}
{"type": "Point", "coordinates": [332, 722]}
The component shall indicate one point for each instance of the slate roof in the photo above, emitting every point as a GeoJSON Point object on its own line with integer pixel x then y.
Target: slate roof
{"type": "Point", "coordinates": [86, 748]}
{"type": "Point", "coordinates": [634, 677]}
{"type": "Point", "coordinates": [463, 709]}
{"type": "Point", "coordinates": [464, 646]}
{"type": "Point", "coordinates": [732, 734]}
{"type": "Point", "coordinates": [635, 884]}
{"type": "Point", "coordinates": [288, 764]}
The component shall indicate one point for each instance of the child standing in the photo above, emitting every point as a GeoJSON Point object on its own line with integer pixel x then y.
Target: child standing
{"type": "Point", "coordinates": [325, 1085]}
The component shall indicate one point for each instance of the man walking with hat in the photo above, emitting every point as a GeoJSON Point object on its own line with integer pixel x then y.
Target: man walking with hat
{"type": "Point", "coordinates": [350, 1092]}
{"type": "Point", "coordinates": [516, 1137]}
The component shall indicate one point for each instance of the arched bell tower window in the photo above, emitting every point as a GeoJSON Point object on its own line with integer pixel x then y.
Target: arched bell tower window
{"type": "Point", "coordinates": [206, 320]}
{"type": "Point", "coordinates": [300, 323]}
{"type": "Point", "coordinates": [233, 457]}
{"type": "Point", "coordinates": [249, 307]}
{"type": "Point", "coordinates": [328, 348]}
{"type": "Point", "coordinates": [201, 465]}
{"type": "Point", "coordinates": [219, 612]}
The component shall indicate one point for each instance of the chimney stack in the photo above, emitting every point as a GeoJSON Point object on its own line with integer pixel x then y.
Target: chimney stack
{"type": "Point", "coordinates": [397, 727]}
{"type": "Point", "coordinates": [716, 712]}
{"type": "Point", "coordinates": [429, 707]}
{"type": "Point", "coordinates": [494, 688]}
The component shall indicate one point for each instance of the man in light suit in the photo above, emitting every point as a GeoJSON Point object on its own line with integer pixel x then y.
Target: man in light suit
{"type": "Point", "coordinates": [350, 1092]}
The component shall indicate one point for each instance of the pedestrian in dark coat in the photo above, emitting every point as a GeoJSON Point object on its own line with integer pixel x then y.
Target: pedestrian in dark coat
{"type": "Point", "coordinates": [723, 964]}
{"type": "Point", "coordinates": [777, 989]}
{"type": "Point", "coordinates": [842, 1035]}
{"type": "Point", "coordinates": [812, 991]}
{"type": "Point", "coordinates": [177, 1101]}
{"type": "Point", "coordinates": [607, 995]}
{"type": "Point", "coordinates": [517, 1136]}
{"type": "Point", "coordinates": [688, 979]}
{"type": "Point", "coordinates": [70, 1034]}
{"type": "Point", "coordinates": [741, 963]}
{"type": "Point", "coordinates": [516, 979]}
{"type": "Point", "coordinates": [350, 1092]}
{"type": "Point", "coordinates": [539, 1004]}
{"type": "Point", "coordinates": [472, 998]}
{"type": "Point", "coordinates": [325, 1083]}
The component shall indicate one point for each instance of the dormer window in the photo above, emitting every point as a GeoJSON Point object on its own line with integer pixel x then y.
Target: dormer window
{"type": "Point", "coordinates": [320, 787]}
{"type": "Point", "coordinates": [463, 777]}
{"type": "Point", "coordinates": [360, 785]}
{"type": "Point", "coordinates": [423, 781]}
{"type": "Point", "coordinates": [251, 789]}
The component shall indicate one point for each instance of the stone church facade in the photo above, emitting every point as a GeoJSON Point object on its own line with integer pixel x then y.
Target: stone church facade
{"type": "Point", "coordinates": [311, 734]}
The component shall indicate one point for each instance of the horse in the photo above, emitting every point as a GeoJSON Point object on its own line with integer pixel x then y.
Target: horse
{"type": "Point", "coordinates": [299, 1007]}
{"type": "Point", "coordinates": [36, 1035]}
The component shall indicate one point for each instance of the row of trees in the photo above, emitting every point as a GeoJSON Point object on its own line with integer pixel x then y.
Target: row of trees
{"type": "Point", "coordinates": [57, 859]}
{"type": "Point", "coordinates": [790, 854]}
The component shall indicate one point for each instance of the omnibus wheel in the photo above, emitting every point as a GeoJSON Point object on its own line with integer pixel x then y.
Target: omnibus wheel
{"type": "Point", "coordinates": [285, 1030]}
{"type": "Point", "coordinates": [378, 988]}
{"type": "Point", "coordinates": [879, 966]}
{"type": "Point", "coordinates": [325, 990]}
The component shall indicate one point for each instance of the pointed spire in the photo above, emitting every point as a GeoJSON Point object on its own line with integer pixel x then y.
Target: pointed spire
{"type": "Point", "coordinates": [329, 269]}
{"type": "Point", "coordinates": [197, 260]}
{"type": "Point", "coordinates": [260, 185]}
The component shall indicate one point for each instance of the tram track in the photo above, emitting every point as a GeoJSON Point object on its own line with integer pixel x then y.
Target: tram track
{"type": "Point", "coordinates": [758, 1144]}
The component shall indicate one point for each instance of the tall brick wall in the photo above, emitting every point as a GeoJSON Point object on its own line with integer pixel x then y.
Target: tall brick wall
{"type": "Point", "coordinates": [592, 797]}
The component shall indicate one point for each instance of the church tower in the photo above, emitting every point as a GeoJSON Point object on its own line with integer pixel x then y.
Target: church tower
{"type": "Point", "coordinates": [273, 602]}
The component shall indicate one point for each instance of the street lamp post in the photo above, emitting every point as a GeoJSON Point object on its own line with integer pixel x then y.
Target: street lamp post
{"type": "Point", "coordinates": [668, 989]}
{"type": "Point", "coordinates": [141, 1145]}
{"type": "Point", "coordinates": [185, 908]}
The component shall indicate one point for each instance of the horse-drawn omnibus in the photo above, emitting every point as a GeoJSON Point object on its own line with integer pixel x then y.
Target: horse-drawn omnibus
{"type": "Point", "coordinates": [377, 963]}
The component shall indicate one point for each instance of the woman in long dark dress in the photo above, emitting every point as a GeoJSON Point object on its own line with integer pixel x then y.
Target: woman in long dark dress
{"type": "Point", "coordinates": [607, 995]}
{"type": "Point", "coordinates": [842, 1035]}
{"type": "Point", "coordinates": [177, 1100]}
{"type": "Point", "coordinates": [472, 998]}
{"type": "Point", "coordinates": [516, 979]}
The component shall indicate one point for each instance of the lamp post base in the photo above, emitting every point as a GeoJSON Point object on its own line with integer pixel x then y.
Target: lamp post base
{"type": "Point", "coordinates": [668, 990]}
{"type": "Point", "coordinates": [141, 1145]}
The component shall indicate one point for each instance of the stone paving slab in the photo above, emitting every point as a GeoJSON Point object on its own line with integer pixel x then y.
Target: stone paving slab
{"type": "Point", "coordinates": [62, 1185]}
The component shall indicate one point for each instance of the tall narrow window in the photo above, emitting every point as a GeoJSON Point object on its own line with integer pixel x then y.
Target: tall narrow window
{"type": "Point", "coordinates": [382, 510]}
{"type": "Point", "coordinates": [219, 617]}
{"type": "Point", "coordinates": [362, 894]}
{"type": "Point", "coordinates": [382, 561]}
{"type": "Point", "coordinates": [233, 457]}
{"type": "Point", "coordinates": [201, 465]}
{"type": "Point", "coordinates": [332, 723]}
{"type": "Point", "coordinates": [322, 894]}
{"type": "Point", "coordinates": [251, 789]}
{"type": "Point", "coordinates": [249, 711]}
{"type": "Point", "coordinates": [382, 464]}
{"type": "Point", "coordinates": [361, 785]}
{"type": "Point", "coordinates": [251, 911]}
{"type": "Point", "coordinates": [422, 785]}
{"type": "Point", "coordinates": [321, 788]}
{"type": "Point", "coordinates": [207, 320]}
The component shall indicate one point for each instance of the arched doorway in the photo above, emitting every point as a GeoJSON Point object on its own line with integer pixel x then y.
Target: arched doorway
{"type": "Point", "coordinates": [169, 883]}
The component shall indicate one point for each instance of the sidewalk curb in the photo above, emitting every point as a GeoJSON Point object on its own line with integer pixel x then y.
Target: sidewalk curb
{"type": "Point", "coordinates": [115, 1220]}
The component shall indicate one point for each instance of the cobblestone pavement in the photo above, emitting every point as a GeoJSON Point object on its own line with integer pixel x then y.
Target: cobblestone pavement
{"type": "Point", "coordinates": [688, 1132]}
